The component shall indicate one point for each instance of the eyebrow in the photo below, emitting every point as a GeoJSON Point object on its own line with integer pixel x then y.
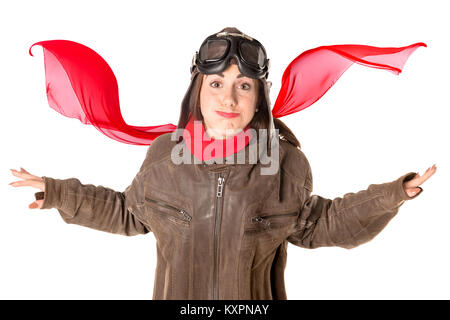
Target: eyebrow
{"type": "Point", "coordinates": [240, 75]}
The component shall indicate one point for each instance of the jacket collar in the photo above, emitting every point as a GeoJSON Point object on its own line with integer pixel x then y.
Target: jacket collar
{"type": "Point", "coordinates": [232, 161]}
{"type": "Point", "coordinates": [205, 148]}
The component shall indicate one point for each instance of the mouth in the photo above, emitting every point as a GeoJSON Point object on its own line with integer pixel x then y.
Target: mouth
{"type": "Point", "coordinates": [227, 114]}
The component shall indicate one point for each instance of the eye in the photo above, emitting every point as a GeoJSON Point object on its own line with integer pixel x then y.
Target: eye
{"type": "Point", "coordinates": [245, 86]}
{"type": "Point", "coordinates": [215, 84]}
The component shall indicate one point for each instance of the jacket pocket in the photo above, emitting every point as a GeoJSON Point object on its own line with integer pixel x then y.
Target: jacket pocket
{"type": "Point", "coordinates": [169, 212]}
{"type": "Point", "coordinates": [266, 222]}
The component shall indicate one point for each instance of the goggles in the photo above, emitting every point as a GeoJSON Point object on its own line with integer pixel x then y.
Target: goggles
{"type": "Point", "coordinates": [216, 51]}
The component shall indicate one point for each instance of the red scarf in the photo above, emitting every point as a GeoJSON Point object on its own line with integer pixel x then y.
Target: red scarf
{"type": "Point", "coordinates": [80, 84]}
{"type": "Point", "coordinates": [204, 147]}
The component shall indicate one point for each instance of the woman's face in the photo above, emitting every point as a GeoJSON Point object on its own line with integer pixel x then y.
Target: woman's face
{"type": "Point", "coordinates": [227, 102]}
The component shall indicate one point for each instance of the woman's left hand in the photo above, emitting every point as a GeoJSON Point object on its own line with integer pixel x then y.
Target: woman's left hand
{"type": "Point", "coordinates": [411, 187]}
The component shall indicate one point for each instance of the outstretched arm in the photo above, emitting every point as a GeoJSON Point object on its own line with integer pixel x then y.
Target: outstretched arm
{"type": "Point", "coordinates": [412, 186]}
{"type": "Point", "coordinates": [355, 218]}
{"type": "Point", "coordinates": [96, 207]}
{"type": "Point", "coordinates": [91, 206]}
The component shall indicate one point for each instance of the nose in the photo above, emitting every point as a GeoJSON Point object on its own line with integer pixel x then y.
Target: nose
{"type": "Point", "coordinates": [229, 98]}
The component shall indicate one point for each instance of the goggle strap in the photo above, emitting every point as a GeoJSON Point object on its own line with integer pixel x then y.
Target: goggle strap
{"type": "Point", "coordinates": [243, 35]}
{"type": "Point", "coordinates": [193, 61]}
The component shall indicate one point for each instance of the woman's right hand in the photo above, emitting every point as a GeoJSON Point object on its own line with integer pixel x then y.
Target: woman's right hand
{"type": "Point", "coordinates": [31, 181]}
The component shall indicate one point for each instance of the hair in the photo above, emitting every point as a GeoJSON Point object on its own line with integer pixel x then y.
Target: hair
{"type": "Point", "coordinates": [261, 120]}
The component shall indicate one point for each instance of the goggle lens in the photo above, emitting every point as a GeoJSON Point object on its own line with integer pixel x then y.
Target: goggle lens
{"type": "Point", "coordinates": [252, 54]}
{"type": "Point", "coordinates": [213, 50]}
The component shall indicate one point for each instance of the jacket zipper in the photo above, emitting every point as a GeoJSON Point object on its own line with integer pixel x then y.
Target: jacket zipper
{"type": "Point", "coordinates": [265, 220]}
{"type": "Point", "coordinates": [184, 215]}
{"type": "Point", "coordinates": [220, 182]}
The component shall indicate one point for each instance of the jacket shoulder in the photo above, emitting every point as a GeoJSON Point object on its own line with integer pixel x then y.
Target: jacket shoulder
{"type": "Point", "coordinates": [294, 163]}
{"type": "Point", "coordinates": [160, 148]}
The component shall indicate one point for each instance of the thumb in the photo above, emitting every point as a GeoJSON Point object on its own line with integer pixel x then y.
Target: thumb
{"type": "Point", "coordinates": [36, 204]}
{"type": "Point", "coordinates": [413, 182]}
{"type": "Point", "coordinates": [415, 191]}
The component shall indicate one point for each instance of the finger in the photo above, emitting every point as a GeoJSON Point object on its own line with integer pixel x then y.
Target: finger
{"type": "Point", "coordinates": [33, 205]}
{"type": "Point", "coordinates": [27, 183]}
{"type": "Point", "coordinates": [15, 173]}
{"type": "Point", "coordinates": [428, 173]}
{"type": "Point", "coordinates": [18, 174]}
{"type": "Point", "coordinates": [36, 204]}
{"type": "Point", "coordinates": [411, 192]}
{"type": "Point", "coordinates": [23, 174]}
{"type": "Point", "coordinates": [417, 180]}
{"type": "Point", "coordinates": [420, 179]}
{"type": "Point", "coordinates": [23, 170]}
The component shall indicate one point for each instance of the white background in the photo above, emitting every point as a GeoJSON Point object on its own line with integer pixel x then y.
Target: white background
{"type": "Point", "coordinates": [371, 127]}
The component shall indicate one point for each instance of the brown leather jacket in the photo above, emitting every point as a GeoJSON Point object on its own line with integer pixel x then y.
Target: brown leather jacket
{"type": "Point", "coordinates": [222, 230]}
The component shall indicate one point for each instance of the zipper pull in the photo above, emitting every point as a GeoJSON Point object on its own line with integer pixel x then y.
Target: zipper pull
{"type": "Point", "coordinates": [259, 219]}
{"type": "Point", "coordinates": [185, 215]}
{"type": "Point", "coordinates": [220, 186]}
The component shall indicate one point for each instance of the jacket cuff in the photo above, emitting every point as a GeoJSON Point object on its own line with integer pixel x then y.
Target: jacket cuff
{"type": "Point", "coordinates": [55, 193]}
{"type": "Point", "coordinates": [396, 193]}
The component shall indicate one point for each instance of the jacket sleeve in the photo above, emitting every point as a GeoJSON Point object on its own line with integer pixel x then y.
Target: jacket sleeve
{"type": "Point", "coordinates": [349, 221]}
{"type": "Point", "coordinates": [98, 207]}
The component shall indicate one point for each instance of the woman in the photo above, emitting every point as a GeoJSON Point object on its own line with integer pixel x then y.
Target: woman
{"type": "Point", "coordinates": [222, 226]}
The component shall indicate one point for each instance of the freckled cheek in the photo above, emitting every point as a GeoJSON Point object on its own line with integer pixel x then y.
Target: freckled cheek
{"type": "Point", "coordinates": [209, 103]}
{"type": "Point", "coordinates": [206, 105]}
{"type": "Point", "coordinates": [249, 105]}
